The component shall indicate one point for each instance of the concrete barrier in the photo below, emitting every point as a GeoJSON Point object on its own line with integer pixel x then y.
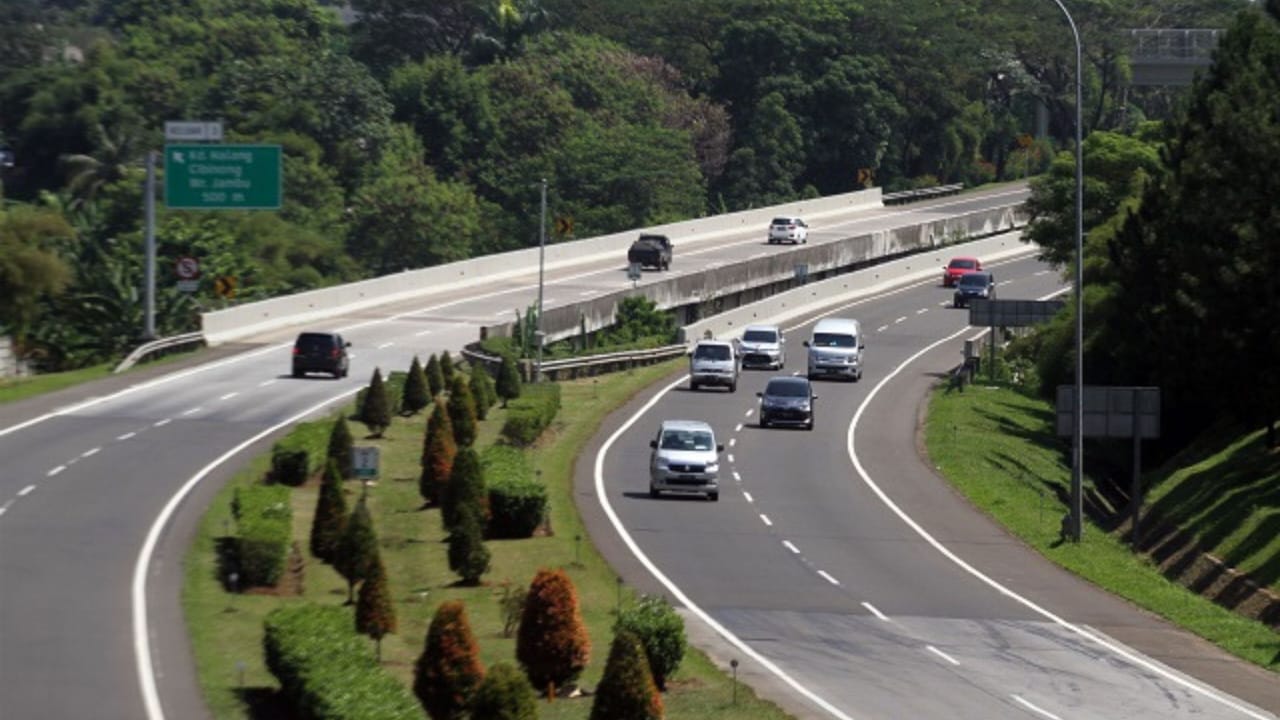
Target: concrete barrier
{"type": "Point", "coordinates": [249, 319]}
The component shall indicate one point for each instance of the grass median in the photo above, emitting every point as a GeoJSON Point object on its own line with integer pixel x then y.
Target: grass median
{"type": "Point", "coordinates": [226, 628]}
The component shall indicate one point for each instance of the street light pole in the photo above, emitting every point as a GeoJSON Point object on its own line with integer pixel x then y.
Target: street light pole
{"type": "Point", "coordinates": [542, 250]}
{"type": "Point", "coordinates": [1077, 430]}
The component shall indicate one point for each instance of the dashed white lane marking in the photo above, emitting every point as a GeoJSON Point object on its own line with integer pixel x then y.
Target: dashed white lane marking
{"type": "Point", "coordinates": [766, 519]}
{"type": "Point", "coordinates": [749, 413]}
{"type": "Point", "coordinates": [126, 436]}
{"type": "Point", "coordinates": [229, 395]}
{"type": "Point", "coordinates": [588, 293]}
{"type": "Point", "coordinates": [1024, 703]}
{"type": "Point", "coordinates": [791, 547]}
{"type": "Point", "coordinates": [730, 457]}
{"type": "Point", "coordinates": [26, 490]}
{"type": "Point", "coordinates": [739, 428]}
{"type": "Point", "coordinates": [872, 609]}
{"type": "Point", "coordinates": [162, 423]}
{"type": "Point", "coordinates": [91, 452]}
{"type": "Point", "coordinates": [501, 313]}
{"type": "Point", "coordinates": [922, 311]}
{"type": "Point", "coordinates": [736, 476]}
{"type": "Point", "coordinates": [385, 345]}
{"type": "Point", "coordinates": [192, 411]}
{"type": "Point", "coordinates": [944, 303]}
{"type": "Point", "coordinates": [424, 332]}
{"type": "Point", "coordinates": [733, 441]}
{"type": "Point", "coordinates": [4, 509]}
{"type": "Point", "coordinates": [942, 655]}
{"type": "Point", "coordinates": [1038, 274]}
{"type": "Point", "coordinates": [901, 319]}
{"type": "Point", "coordinates": [882, 328]}
{"type": "Point", "coordinates": [827, 576]}
{"type": "Point", "coordinates": [265, 383]}
{"type": "Point", "coordinates": [56, 470]}
{"type": "Point", "coordinates": [747, 495]}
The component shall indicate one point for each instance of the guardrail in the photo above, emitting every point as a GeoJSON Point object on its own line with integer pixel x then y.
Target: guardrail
{"type": "Point", "coordinates": [906, 196]}
{"type": "Point", "coordinates": [585, 366]}
{"type": "Point", "coordinates": [153, 346]}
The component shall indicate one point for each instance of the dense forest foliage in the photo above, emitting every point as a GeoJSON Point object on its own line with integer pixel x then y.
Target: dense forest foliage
{"type": "Point", "coordinates": [417, 132]}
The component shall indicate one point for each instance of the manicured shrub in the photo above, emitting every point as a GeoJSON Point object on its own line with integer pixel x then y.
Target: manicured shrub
{"type": "Point", "coordinates": [435, 378]}
{"type": "Point", "coordinates": [532, 413]}
{"type": "Point", "coordinates": [447, 369]}
{"type": "Point", "coordinates": [466, 487]}
{"type": "Point", "coordinates": [462, 412]}
{"type": "Point", "coordinates": [325, 669]}
{"type": "Point", "coordinates": [517, 501]}
{"type": "Point", "coordinates": [508, 381]}
{"type": "Point", "coordinates": [480, 383]}
{"type": "Point", "coordinates": [357, 549]}
{"type": "Point", "coordinates": [660, 630]}
{"type": "Point", "coordinates": [340, 444]}
{"type": "Point", "coordinates": [448, 671]}
{"type": "Point", "coordinates": [264, 521]}
{"type": "Point", "coordinates": [331, 514]}
{"type": "Point", "coordinates": [438, 452]}
{"type": "Point", "coordinates": [505, 694]}
{"type": "Point", "coordinates": [468, 556]}
{"type": "Point", "coordinates": [626, 691]}
{"type": "Point", "coordinates": [551, 643]}
{"type": "Point", "coordinates": [375, 413]}
{"type": "Point", "coordinates": [415, 389]}
{"type": "Point", "coordinates": [375, 613]}
{"type": "Point", "coordinates": [289, 466]}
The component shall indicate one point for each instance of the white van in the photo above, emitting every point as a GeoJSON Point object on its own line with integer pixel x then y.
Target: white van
{"type": "Point", "coordinates": [835, 348]}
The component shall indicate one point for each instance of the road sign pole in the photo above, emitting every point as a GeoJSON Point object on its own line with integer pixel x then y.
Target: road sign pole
{"type": "Point", "coordinates": [542, 248]}
{"type": "Point", "coordinates": [149, 205]}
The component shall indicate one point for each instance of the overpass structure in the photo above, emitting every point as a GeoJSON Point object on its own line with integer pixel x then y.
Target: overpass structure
{"type": "Point", "coordinates": [1171, 56]}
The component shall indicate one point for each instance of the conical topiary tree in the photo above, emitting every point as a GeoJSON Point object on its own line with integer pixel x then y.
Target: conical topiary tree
{"type": "Point", "coordinates": [626, 691]}
{"type": "Point", "coordinates": [480, 392]}
{"type": "Point", "coordinates": [340, 444]}
{"type": "Point", "coordinates": [414, 396]}
{"type": "Point", "coordinates": [462, 412]}
{"type": "Point", "coordinates": [435, 378]}
{"type": "Point", "coordinates": [552, 644]}
{"type": "Point", "coordinates": [375, 613]}
{"type": "Point", "coordinates": [438, 452]}
{"type": "Point", "coordinates": [468, 556]}
{"type": "Point", "coordinates": [660, 630]}
{"type": "Point", "coordinates": [376, 410]}
{"type": "Point", "coordinates": [447, 369]}
{"type": "Point", "coordinates": [466, 488]}
{"type": "Point", "coordinates": [448, 671]}
{"type": "Point", "coordinates": [331, 514]}
{"type": "Point", "coordinates": [505, 694]}
{"type": "Point", "coordinates": [508, 385]}
{"type": "Point", "coordinates": [357, 549]}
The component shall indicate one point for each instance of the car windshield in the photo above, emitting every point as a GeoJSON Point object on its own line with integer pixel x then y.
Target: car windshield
{"type": "Point", "coordinates": [787, 388]}
{"type": "Point", "coordinates": [964, 264]}
{"type": "Point", "coordinates": [760, 336]}
{"type": "Point", "coordinates": [834, 340]}
{"type": "Point", "coordinates": [974, 280]}
{"type": "Point", "coordinates": [686, 440]}
{"type": "Point", "coordinates": [712, 352]}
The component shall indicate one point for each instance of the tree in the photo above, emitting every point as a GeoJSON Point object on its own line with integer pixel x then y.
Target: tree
{"type": "Point", "coordinates": [448, 671]}
{"type": "Point", "coordinates": [357, 549]}
{"type": "Point", "coordinates": [331, 514]}
{"type": "Point", "coordinates": [626, 691]}
{"type": "Point", "coordinates": [482, 391]}
{"type": "Point", "coordinates": [508, 384]}
{"type": "Point", "coordinates": [466, 489]}
{"type": "Point", "coordinates": [468, 556]}
{"type": "Point", "coordinates": [447, 370]}
{"type": "Point", "coordinates": [340, 448]}
{"type": "Point", "coordinates": [505, 694]}
{"type": "Point", "coordinates": [551, 643]}
{"type": "Point", "coordinates": [660, 630]}
{"type": "Point", "coordinates": [435, 379]}
{"type": "Point", "coordinates": [462, 411]}
{"type": "Point", "coordinates": [438, 452]}
{"type": "Point", "coordinates": [30, 268]}
{"type": "Point", "coordinates": [375, 612]}
{"type": "Point", "coordinates": [415, 389]}
{"type": "Point", "coordinates": [376, 410]}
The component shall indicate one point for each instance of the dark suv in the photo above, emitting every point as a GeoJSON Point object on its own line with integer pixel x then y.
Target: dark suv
{"type": "Point", "coordinates": [974, 286]}
{"type": "Point", "coordinates": [787, 400]}
{"type": "Point", "coordinates": [320, 352]}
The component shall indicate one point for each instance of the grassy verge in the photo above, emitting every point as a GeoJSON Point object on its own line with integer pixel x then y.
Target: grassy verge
{"type": "Point", "coordinates": [226, 629]}
{"type": "Point", "coordinates": [998, 447]}
{"type": "Point", "coordinates": [14, 389]}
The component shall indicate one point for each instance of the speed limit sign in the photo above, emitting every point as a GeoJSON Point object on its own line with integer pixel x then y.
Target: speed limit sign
{"type": "Point", "coordinates": [187, 268]}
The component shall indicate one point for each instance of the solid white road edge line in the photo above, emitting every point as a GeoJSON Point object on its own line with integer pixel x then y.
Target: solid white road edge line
{"type": "Point", "coordinates": [1033, 708]}
{"type": "Point", "coordinates": [675, 591]}
{"type": "Point", "coordinates": [924, 534]}
{"type": "Point", "coordinates": [138, 591]}
{"type": "Point", "coordinates": [872, 609]}
{"type": "Point", "coordinates": [942, 655]}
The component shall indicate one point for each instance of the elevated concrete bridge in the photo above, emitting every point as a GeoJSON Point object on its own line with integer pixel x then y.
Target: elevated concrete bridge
{"type": "Point", "coordinates": [1171, 56]}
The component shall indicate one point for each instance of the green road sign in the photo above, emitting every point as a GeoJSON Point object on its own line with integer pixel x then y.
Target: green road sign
{"type": "Point", "coordinates": [222, 177]}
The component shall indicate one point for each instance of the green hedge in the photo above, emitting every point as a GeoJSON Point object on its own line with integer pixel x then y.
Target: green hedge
{"type": "Point", "coordinates": [517, 501]}
{"type": "Point", "coordinates": [264, 522]}
{"type": "Point", "coordinates": [327, 671]}
{"type": "Point", "coordinates": [303, 451]}
{"type": "Point", "coordinates": [531, 413]}
{"type": "Point", "coordinates": [289, 466]}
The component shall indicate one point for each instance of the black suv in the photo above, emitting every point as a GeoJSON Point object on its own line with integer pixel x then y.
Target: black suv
{"type": "Point", "coordinates": [651, 251]}
{"type": "Point", "coordinates": [320, 352]}
{"type": "Point", "coordinates": [787, 400]}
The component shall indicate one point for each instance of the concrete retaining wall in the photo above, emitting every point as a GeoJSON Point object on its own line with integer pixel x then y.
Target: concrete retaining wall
{"type": "Point", "coordinates": [252, 318]}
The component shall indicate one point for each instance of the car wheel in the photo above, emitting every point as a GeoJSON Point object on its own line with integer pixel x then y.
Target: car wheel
{"type": "Point", "coordinates": [654, 494]}
{"type": "Point", "coordinates": [733, 387]}
{"type": "Point", "coordinates": [694, 386]}
{"type": "Point", "coordinates": [713, 497]}
{"type": "Point", "coordinates": [764, 421]}
{"type": "Point", "coordinates": [809, 425]}
{"type": "Point", "coordinates": [298, 373]}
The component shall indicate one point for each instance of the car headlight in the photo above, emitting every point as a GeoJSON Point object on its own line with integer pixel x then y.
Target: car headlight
{"type": "Point", "coordinates": [713, 467]}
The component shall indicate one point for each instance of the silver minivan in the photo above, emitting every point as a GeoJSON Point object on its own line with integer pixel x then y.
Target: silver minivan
{"type": "Point", "coordinates": [835, 349]}
{"type": "Point", "coordinates": [685, 458]}
{"type": "Point", "coordinates": [713, 362]}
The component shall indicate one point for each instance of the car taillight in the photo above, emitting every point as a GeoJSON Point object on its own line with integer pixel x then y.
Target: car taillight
{"type": "Point", "coordinates": [791, 227]}
{"type": "Point", "coordinates": [296, 351]}
{"type": "Point", "coordinates": [333, 353]}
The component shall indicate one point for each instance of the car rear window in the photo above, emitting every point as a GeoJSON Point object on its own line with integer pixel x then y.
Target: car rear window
{"type": "Point", "coordinates": [975, 279]}
{"type": "Point", "coordinates": [964, 264]}
{"type": "Point", "coordinates": [783, 221]}
{"type": "Point", "coordinates": [761, 336]}
{"type": "Point", "coordinates": [686, 440]}
{"type": "Point", "coordinates": [315, 341]}
{"type": "Point", "coordinates": [712, 352]}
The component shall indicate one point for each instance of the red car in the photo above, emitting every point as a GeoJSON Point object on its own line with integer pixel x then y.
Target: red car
{"type": "Point", "coordinates": [957, 267]}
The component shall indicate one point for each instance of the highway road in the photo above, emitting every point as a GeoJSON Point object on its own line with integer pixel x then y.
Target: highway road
{"type": "Point", "coordinates": [101, 485]}
{"type": "Point", "coordinates": [841, 561]}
